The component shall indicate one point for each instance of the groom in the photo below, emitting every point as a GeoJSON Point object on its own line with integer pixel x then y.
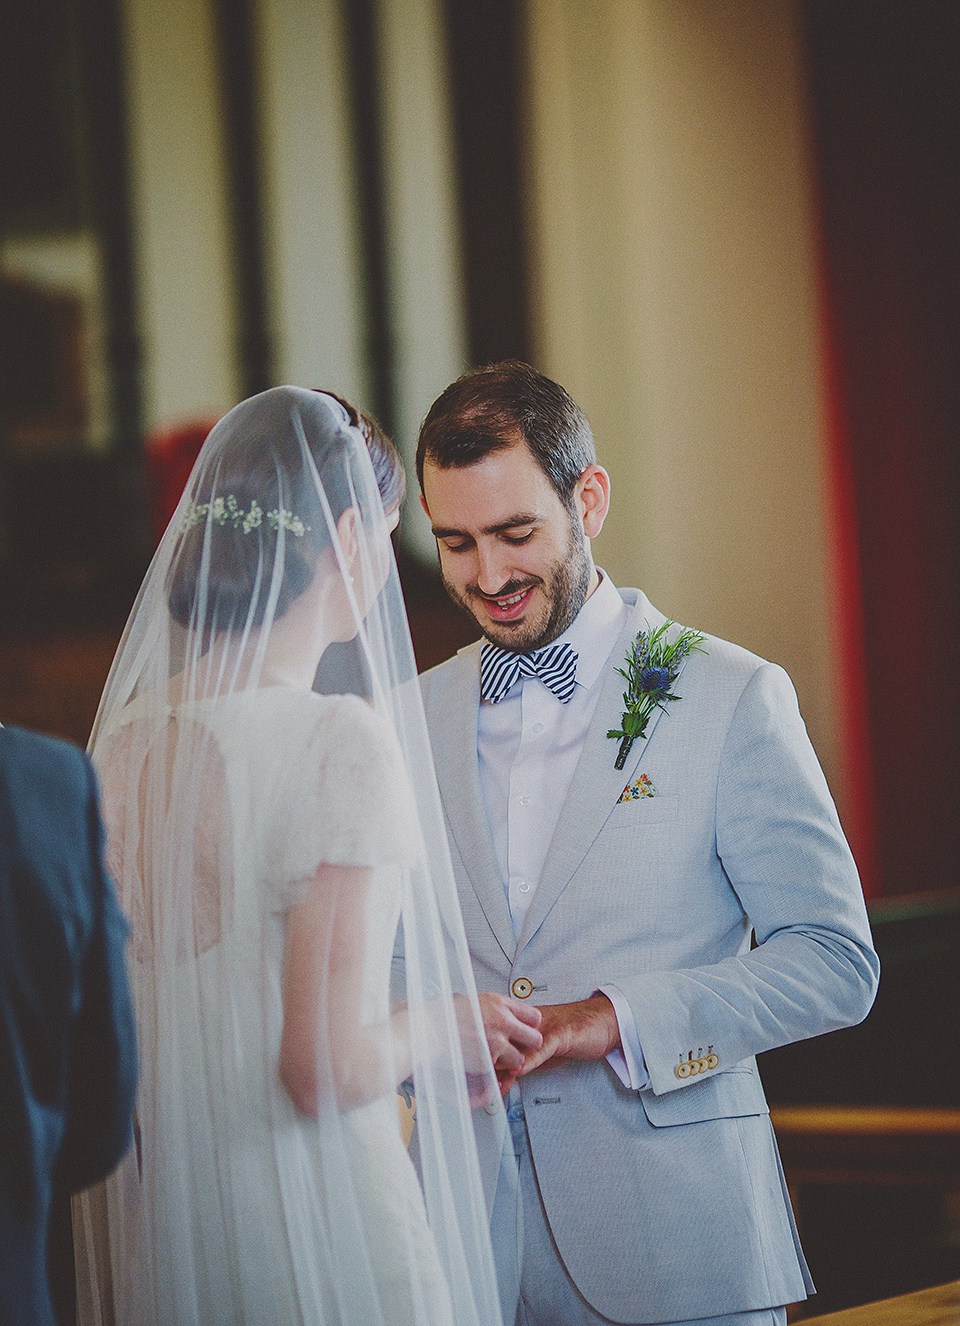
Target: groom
{"type": "Point", "coordinates": [609, 911]}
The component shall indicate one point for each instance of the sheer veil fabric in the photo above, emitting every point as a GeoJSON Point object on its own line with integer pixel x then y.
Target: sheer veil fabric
{"type": "Point", "coordinates": [270, 843]}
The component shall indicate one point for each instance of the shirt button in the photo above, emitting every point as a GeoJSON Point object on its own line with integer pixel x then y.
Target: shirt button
{"type": "Point", "coordinates": [524, 801]}
{"type": "Point", "coordinates": [523, 886]}
{"type": "Point", "coordinates": [537, 729]}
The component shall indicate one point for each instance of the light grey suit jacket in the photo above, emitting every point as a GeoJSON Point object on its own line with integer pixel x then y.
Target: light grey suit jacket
{"type": "Point", "coordinates": [668, 1203]}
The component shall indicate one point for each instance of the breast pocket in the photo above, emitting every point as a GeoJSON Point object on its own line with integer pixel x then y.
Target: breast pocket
{"type": "Point", "coordinates": [645, 811]}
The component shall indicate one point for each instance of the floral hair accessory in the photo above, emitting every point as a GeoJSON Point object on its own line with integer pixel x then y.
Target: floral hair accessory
{"type": "Point", "coordinates": [227, 511]}
{"type": "Point", "coordinates": [652, 667]}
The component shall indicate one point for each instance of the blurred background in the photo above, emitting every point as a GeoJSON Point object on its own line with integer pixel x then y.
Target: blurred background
{"type": "Point", "coordinates": [730, 228]}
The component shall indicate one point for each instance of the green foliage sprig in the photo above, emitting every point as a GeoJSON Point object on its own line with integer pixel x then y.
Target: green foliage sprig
{"type": "Point", "coordinates": [652, 666]}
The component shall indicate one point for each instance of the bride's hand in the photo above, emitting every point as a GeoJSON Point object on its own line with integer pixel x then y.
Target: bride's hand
{"type": "Point", "coordinates": [509, 1032]}
{"type": "Point", "coordinates": [478, 1066]}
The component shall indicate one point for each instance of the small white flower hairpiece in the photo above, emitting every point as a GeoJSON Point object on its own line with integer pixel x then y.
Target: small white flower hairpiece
{"type": "Point", "coordinates": [227, 511]}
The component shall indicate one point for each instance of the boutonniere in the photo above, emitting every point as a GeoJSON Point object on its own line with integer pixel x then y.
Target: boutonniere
{"type": "Point", "coordinates": [652, 667]}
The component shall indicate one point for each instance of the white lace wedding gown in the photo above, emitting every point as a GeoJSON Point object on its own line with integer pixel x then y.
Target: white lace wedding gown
{"type": "Point", "coordinates": [247, 1213]}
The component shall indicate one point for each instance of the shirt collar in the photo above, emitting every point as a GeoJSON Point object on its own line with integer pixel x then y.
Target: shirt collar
{"type": "Point", "coordinates": [594, 631]}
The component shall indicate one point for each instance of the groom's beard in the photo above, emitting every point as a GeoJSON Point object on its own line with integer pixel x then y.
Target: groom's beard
{"type": "Point", "coordinates": [563, 594]}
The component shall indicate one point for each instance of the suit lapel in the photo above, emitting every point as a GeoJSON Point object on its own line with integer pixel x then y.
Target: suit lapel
{"type": "Point", "coordinates": [597, 785]}
{"type": "Point", "coordinates": [453, 736]}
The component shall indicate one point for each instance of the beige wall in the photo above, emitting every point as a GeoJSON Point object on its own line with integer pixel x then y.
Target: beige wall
{"type": "Point", "coordinates": [184, 294]}
{"type": "Point", "coordinates": [671, 209]}
{"type": "Point", "coordinates": [313, 258]}
{"type": "Point", "coordinates": [423, 241]}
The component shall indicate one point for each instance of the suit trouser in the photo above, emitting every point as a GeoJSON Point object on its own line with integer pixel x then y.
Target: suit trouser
{"type": "Point", "coordinates": [548, 1297]}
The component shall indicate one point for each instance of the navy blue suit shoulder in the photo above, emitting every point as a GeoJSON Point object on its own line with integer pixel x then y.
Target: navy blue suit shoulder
{"type": "Point", "coordinates": [67, 1042]}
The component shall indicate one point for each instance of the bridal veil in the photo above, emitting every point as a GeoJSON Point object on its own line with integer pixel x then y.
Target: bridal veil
{"type": "Point", "coordinates": [276, 836]}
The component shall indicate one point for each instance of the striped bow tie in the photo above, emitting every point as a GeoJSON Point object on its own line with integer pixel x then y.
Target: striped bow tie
{"type": "Point", "coordinates": [556, 666]}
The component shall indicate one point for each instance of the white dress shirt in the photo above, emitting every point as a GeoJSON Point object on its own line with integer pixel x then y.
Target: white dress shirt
{"type": "Point", "coordinates": [528, 746]}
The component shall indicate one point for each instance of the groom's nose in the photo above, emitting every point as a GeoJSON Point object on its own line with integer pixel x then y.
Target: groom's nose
{"type": "Point", "coordinates": [493, 567]}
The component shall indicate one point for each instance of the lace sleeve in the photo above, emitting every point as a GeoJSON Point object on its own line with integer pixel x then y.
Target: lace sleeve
{"type": "Point", "coordinates": [360, 809]}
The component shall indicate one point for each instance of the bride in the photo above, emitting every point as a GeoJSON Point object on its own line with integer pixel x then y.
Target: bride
{"type": "Point", "coordinates": [269, 842]}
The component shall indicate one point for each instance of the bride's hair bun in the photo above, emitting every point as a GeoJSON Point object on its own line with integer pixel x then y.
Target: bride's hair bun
{"type": "Point", "coordinates": [256, 497]}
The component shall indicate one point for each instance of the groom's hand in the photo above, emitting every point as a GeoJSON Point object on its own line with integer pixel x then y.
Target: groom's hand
{"type": "Point", "coordinates": [586, 1029]}
{"type": "Point", "coordinates": [512, 1030]}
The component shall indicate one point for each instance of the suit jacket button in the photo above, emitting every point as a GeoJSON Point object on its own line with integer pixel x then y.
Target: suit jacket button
{"type": "Point", "coordinates": [711, 1061]}
{"type": "Point", "coordinates": [522, 988]}
{"type": "Point", "coordinates": [684, 1070]}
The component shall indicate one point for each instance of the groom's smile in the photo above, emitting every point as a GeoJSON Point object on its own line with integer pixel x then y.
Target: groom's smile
{"type": "Point", "coordinates": [507, 607]}
{"type": "Point", "coordinates": [511, 553]}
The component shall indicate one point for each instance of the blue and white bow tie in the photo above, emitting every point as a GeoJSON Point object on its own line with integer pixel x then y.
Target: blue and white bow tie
{"type": "Point", "coordinates": [556, 666]}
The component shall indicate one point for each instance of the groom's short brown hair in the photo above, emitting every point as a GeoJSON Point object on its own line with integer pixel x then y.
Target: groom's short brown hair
{"type": "Point", "coordinates": [490, 408]}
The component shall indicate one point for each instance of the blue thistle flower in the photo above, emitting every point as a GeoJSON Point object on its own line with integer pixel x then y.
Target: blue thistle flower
{"type": "Point", "coordinates": [656, 681]}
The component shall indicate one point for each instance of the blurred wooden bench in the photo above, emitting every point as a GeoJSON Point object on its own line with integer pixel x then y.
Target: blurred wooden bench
{"type": "Point", "coordinates": [854, 1144]}
{"type": "Point", "coordinates": [927, 1307]}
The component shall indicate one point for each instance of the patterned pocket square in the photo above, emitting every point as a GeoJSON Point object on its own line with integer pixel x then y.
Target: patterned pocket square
{"type": "Point", "coordinates": [639, 788]}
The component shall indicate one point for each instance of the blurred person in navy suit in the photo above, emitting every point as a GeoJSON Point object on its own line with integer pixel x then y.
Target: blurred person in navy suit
{"type": "Point", "coordinates": [67, 1041]}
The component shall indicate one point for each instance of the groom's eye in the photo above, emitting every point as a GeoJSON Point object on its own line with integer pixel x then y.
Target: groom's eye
{"type": "Point", "coordinates": [518, 538]}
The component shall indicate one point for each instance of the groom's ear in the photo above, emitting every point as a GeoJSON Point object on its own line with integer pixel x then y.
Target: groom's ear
{"type": "Point", "coordinates": [592, 495]}
{"type": "Point", "coordinates": [423, 503]}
